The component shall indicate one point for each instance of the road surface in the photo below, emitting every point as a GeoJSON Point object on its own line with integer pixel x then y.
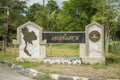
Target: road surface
{"type": "Point", "coordinates": [8, 74]}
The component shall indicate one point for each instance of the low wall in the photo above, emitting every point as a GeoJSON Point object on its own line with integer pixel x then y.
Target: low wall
{"type": "Point", "coordinates": [59, 60]}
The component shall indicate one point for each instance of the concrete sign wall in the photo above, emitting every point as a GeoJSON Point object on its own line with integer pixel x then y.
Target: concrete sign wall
{"type": "Point", "coordinates": [95, 42]}
{"type": "Point", "coordinates": [33, 48]}
{"type": "Point", "coordinates": [30, 41]}
{"type": "Point", "coordinates": [94, 35]}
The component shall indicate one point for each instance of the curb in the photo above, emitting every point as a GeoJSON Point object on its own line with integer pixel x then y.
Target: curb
{"type": "Point", "coordinates": [34, 73]}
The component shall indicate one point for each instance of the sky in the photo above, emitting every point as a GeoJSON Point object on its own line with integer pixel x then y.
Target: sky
{"type": "Point", "coordinates": [30, 2]}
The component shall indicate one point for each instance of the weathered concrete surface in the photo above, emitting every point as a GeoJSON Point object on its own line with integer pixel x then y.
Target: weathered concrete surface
{"type": "Point", "coordinates": [8, 74]}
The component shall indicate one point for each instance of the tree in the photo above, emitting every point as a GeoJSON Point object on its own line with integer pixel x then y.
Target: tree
{"type": "Point", "coordinates": [32, 10]}
{"type": "Point", "coordinates": [107, 15]}
{"type": "Point", "coordinates": [17, 17]}
{"type": "Point", "coordinates": [77, 14]}
{"type": "Point", "coordinates": [4, 18]}
{"type": "Point", "coordinates": [47, 18]}
{"type": "Point", "coordinates": [52, 6]}
{"type": "Point", "coordinates": [12, 15]}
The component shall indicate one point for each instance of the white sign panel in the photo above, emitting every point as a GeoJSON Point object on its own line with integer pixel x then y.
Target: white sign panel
{"type": "Point", "coordinates": [29, 42]}
{"type": "Point", "coordinates": [95, 40]}
{"type": "Point", "coordinates": [95, 47]}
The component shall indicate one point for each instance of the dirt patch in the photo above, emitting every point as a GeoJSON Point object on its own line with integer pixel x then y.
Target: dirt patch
{"type": "Point", "coordinates": [99, 71]}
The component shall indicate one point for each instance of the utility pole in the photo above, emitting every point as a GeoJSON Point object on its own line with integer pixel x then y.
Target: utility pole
{"type": "Point", "coordinates": [43, 7]}
{"type": "Point", "coordinates": [43, 3]}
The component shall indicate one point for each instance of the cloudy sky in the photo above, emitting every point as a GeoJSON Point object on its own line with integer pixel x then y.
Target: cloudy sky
{"type": "Point", "coordinates": [30, 2]}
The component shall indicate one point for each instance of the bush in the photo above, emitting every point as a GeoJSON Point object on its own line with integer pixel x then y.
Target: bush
{"type": "Point", "coordinates": [114, 52]}
{"type": "Point", "coordinates": [114, 47]}
{"type": "Point", "coordinates": [112, 59]}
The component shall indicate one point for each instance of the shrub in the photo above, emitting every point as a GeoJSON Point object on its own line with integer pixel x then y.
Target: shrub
{"type": "Point", "coordinates": [114, 47]}
{"type": "Point", "coordinates": [112, 59]}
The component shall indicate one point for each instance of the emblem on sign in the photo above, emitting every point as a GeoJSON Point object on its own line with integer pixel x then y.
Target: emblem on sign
{"type": "Point", "coordinates": [94, 36]}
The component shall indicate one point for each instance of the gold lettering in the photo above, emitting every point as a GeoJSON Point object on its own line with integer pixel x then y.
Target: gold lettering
{"type": "Point", "coordinates": [65, 38]}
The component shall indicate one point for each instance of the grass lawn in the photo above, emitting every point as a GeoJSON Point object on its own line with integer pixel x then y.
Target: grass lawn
{"type": "Point", "coordinates": [63, 50]}
{"type": "Point", "coordinates": [110, 70]}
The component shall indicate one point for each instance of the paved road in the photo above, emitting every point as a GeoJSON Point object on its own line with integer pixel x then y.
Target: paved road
{"type": "Point", "coordinates": [8, 74]}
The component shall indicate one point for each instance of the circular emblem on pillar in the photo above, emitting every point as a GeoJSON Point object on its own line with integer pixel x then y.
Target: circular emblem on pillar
{"type": "Point", "coordinates": [94, 36]}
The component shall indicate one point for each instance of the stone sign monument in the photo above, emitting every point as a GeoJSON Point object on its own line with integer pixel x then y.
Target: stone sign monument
{"type": "Point", "coordinates": [32, 43]}
{"type": "Point", "coordinates": [94, 44]}
{"type": "Point", "coordinates": [29, 38]}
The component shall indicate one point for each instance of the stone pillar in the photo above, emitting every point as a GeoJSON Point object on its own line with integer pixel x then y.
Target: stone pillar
{"type": "Point", "coordinates": [32, 47]}
{"type": "Point", "coordinates": [94, 44]}
{"type": "Point", "coordinates": [82, 50]}
{"type": "Point", "coordinates": [43, 51]}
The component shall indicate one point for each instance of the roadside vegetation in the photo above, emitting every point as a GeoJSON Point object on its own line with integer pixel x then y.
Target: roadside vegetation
{"type": "Point", "coordinates": [109, 70]}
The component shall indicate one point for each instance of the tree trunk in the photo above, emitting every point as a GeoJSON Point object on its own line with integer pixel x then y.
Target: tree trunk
{"type": "Point", "coordinates": [6, 35]}
{"type": "Point", "coordinates": [6, 13]}
{"type": "Point", "coordinates": [106, 41]}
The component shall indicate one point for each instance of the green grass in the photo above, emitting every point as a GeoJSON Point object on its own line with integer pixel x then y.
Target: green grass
{"type": "Point", "coordinates": [59, 50]}
{"type": "Point", "coordinates": [47, 71]}
{"type": "Point", "coordinates": [63, 50]}
{"type": "Point", "coordinates": [7, 56]}
{"type": "Point", "coordinates": [100, 66]}
{"type": "Point", "coordinates": [70, 46]}
{"type": "Point", "coordinates": [27, 64]}
{"type": "Point", "coordinates": [10, 56]}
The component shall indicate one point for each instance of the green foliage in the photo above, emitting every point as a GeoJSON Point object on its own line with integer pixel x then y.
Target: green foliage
{"type": "Point", "coordinates": [17, 13]}
{"type": "Point", "coordinates": [16, 17]}
{"type": "Point", "coordinates": [45, 16]}
{"type": "Point", "coordinates": [112, 59]}
{"type": "Point", "coordinates": [114, 47]}
{"type": "Point", "coordinates": [12, 15]}
{"type": "Point", "coordinates": [47, 20]}
{"type": "Point", "coordinates": [52, 6]}
{"type": "Point", "coordinates": [32, 10]}
{"type": "Point", "coordinates": [73, 16]}
{"type": "Point", "coordinates": [114, 53]}
{"type": "Point", "coordinates": [76, 14]}
{"type": "Point", "coordinates": [107, 13]}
